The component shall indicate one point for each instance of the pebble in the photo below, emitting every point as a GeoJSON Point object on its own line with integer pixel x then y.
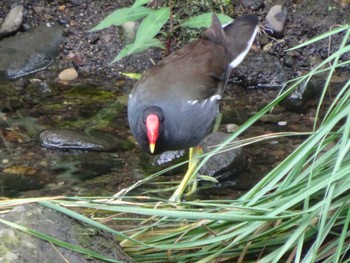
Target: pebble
{"type": "Point", "coordinates": [231, 127]}
{"type": "Point", "coordinates": [130, 29]}
{"type": "Point", "coordinates": [282, 123]}
{"type": "Point", "coordinates": [252, 4]}
{"type": "Point", "coordinates": [275, 20]}
{"type": "Point", "coordinates": [289, 61]}
{"type": "Point", "coordinates": [68, 74]}
{"type": "Point", "coordinates": [12, 21]}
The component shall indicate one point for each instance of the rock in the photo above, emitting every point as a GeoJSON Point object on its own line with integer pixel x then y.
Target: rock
{"type": "Point", "coordinates": [12, 21]}
{"type": "Point", "coordinates": [17, 246]}
{"type": "Point", "coordinates": [289, 61]}
{"type": "Point", "coordinates": [129, 29]}
{"type": "Point", "coordinates": [168, 157]}
{"type": "Point", "coordinates": [68, 74]}
{"type": "Point", "coordinates": [275, 20]}
{"type": "Point", "coordinates": [282, 123]}
{"type": "Point", "coordinates": [231, 127]}
{"type": "Point", "coordinates": [152, 164]}
{"type": "Point", "coordinates": [270, 118]}
{"type": "Point", "coordinates": [252, 4]}
{"type": "Point", "coordinates": [62, 139]}
{"type": "Point", "coordinates": [225, 165]}
{"type": "Point", "coordinates": [30, 51]}
{"type": "Point", "coordinates": [20, 178]}
{"type": "Point", "coordinates": [296, 101]}
{"type": "Point", "coordinates": [261, 70]}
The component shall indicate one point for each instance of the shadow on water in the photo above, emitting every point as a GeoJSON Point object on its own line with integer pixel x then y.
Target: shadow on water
{"type": "Point", "coordinates": [29, 106]}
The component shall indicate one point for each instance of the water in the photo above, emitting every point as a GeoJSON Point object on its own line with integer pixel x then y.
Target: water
{"type": "Point", "coordinates": [29, 106]}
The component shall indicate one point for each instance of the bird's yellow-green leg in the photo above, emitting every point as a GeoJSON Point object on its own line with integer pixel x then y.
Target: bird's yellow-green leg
{"type": "Point", "coordinates": [190, 175]}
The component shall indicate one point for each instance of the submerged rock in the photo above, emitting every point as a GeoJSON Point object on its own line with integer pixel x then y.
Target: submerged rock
{"type": "Point", "coordinates": [72, 139]}
{"type": "Point", "coordinates": [307, 90]}
{"type": "Point", "coordinates": [81, 166]}
{"type": "Point", "coordinates": [30, 51]}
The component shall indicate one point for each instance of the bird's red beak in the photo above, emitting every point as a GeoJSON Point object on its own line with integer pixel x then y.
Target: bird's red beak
{"type": "Point", "coordinates": [152, 125]}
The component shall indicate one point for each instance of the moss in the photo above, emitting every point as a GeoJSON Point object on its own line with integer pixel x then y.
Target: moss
{"type": "Point", "coordinates": [8, 240]}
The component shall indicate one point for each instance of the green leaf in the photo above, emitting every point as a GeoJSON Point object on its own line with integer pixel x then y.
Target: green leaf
{"type": "Point", "coordinates": [140, 2]}
{"type": "Point", "coordinates": [152, 24]}
{"type": "Point", "coordinates": [131, 75]}
{"type": "Point", "coordinates": [123, 15]}
{"type": "Point", "coordinates": [137, 47]}
{"type": "Point", "coordinates": [204, 20]}
{"type": "Point", "coordinates": [208, 178]}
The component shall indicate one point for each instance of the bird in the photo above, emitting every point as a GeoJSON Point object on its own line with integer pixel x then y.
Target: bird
{"type": "Point", "coordinates": [173, 106]}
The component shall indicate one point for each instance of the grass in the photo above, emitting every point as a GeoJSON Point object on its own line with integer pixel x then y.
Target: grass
{"type": "Point", "coordinates": [299, 212]}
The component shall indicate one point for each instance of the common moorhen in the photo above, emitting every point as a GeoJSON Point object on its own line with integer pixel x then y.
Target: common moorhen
{"type": "Point", "coordinates": [175, 103]}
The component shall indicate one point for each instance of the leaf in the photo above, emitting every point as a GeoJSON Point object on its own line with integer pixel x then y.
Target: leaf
{"type": "Point", "coordinates": [131, 75]}
{"type": "Point", "coordinates": [123, 15]}
{"type": "Point", "coordinates": [152, 24]}
{"type": "Point", "coordinates": [208, 178]}
{"type": "Point", "coordinates": [137, 47]}
{"type": "Point", "coordinates": [140, 2]}
{"type": "Point", "coordinates": [204, 20]}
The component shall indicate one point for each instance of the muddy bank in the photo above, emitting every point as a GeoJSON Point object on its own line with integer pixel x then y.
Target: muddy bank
{"type": "Point", "coordinates": [91, 53]}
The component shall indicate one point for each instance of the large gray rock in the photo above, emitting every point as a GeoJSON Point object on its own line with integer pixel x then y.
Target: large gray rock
{"type": "Point", "coordinates": [29, 52]}
{"type": "Point", "coordinates": [19, 247]}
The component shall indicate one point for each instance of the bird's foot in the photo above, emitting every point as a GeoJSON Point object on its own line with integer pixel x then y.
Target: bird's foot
{"type": "Point", "coordinates": [190, 176]}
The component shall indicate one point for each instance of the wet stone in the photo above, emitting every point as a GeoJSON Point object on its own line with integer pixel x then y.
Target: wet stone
{"type": "Point", "coordinates": [30, 51]}
{"type": "Point", "coordinates": [297, 100]}
{"type": "Point", "coordinates": [226, 165]}
{"type": "Point", "coordinates": [275, 20]}
{"type": "Point", "coordinates": [79, 140]}
{"type": "Point", "coordinates": [169, 156]}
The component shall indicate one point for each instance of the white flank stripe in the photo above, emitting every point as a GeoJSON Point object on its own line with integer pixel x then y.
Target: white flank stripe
{"type": "Point", "coordinates": [192, 102]}
{"type": "Point", "coordinates": [215, 97]}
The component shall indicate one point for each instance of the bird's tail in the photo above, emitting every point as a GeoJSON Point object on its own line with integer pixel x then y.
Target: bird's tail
{"type": "Point", "coordinates": [240, 37]}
